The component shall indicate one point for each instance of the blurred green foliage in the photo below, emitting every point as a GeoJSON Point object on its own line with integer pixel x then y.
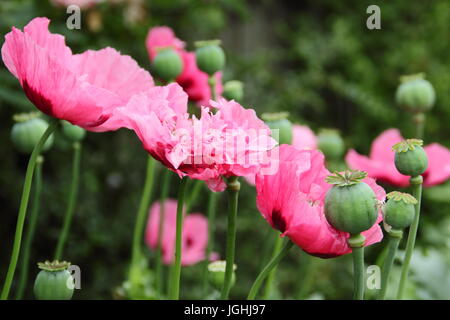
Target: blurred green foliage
{"type": "Point", "coordinates": [315, 59]}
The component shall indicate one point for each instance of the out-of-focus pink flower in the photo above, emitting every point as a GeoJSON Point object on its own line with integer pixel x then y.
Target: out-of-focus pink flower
{"type": "Point", "coordinates": [303, 138]}
{"type": "Point", "coordinates": [83, 89]}
{"type": "Point", "coordinates": [193, 81]}
{"type": "Point", "coordinates": [194, 237]}
{"type": "Point", "coordinates": [231, 142]}
{"type": "Point", "coordinates": [83, 4]}
{"type": "Point", "coordinates": [380, 163]}
{"type": "Point", "coordinates": [292, 201]}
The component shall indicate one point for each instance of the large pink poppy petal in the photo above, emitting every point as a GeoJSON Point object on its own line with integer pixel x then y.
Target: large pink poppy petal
{"type": "Point", "coordinates": [438, 164]}
{"type": "Point", "coordinates": [303, 137]}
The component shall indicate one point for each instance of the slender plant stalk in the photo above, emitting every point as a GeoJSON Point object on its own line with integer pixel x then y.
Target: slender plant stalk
{"type": "Point", "coordinates": [265, 272]}
{"type": "Point", "coordinates": [419, 124]}
{"type": "Point", "coordinates": [416, 183]}
{"type": "Point", "coordinates": [36, 202]}
{"type": "Point", "coordinates": [393, 243]}
{"type": "Point", "coordinates": [193, 194]}
{"type": "Point", "coordinates": [159, 267]}
{"type": "Point", "coordinates": [175, 276]}
{"type": "Point", "coordinates": [140, 225]}
{"type": "Point", "coordinates": [23, 208]}
{"type": "Point", "coordinates": [74, 187]}
{"type": "Point", "coordinates": [358, 273]}
{"type": "Point", "coordinates": [211, 214]}
{"type": "Point", "coordinates": [233, 187]}
{"type": "Point", "coordinates": [271, 276]}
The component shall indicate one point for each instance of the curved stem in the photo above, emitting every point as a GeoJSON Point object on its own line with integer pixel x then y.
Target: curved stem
{"type": "Point", "coordinates": [233, 187]}
{"type": "Point", "coordinates": [358, 273]}
{"type": "Point", "coordinates": [270, 278]}
{"type": "Point", "coordinates": [211, 213]}
{"type": "Point", "coordinates": [388, 262]}
{"type": "Point", "coordinates": [24, 267]}
{"type": "Point", "coordinates": [140, 225]}
{"type": "Point", "coordinates": [159, 268]}
{"type": "Point", "coordinates": [72, 200]}
{"type": "Point", "coordinates": [23, 208]}
{"type": "Point", "coordinates": [264, 273]}
{"type": "Point", "coordinates": [417, 193]}
{"type": "Point", "coordinates": [174, 288]}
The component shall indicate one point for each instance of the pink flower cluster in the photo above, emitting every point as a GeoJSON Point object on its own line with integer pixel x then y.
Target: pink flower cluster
{"type": "Point", "coordinates": [231, 142]}
{"type": "Point", "coordinates": [380, 163]}
{"type": "Point", "coordinates": [194, 236]}
{"type": "Point", "coordinates": [192, 79]}
{"type": "Point", "coordinates": [292, 201]}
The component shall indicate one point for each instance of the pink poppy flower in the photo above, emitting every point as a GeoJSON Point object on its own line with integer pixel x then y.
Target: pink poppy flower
{"type": "Point", "coordinates": [380, 163]}
{"type": "Point", "coordinates": [192, 79]}
{"type": "Point", "coordinates": [83, 89]}
{"type": "Point", "coordinates": [83, 4]}
{"type": "Point", "coordinates": [231, 142]}
{"type": "Point", "coordinates": [194, 236]}
{"type": "Point", "coordinates": [292, 201]}
{"type": "Point", "coordinates": [302, 138]}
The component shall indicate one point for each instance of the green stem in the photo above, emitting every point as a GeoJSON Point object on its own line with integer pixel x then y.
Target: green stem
{"type": "Point", "coordinates": [358, 270]}
{"type": "Point", "coordinates": [23, 208]}
{"type": "Point", "coordinates": [265, 272]}
{"type": "Point", "coordinates": [212, 87]}
{"type": "Point", "coordinates": [140, 225]}
{"type": "Point", "coordinates": [194, 194]}
{"type": "Point", "coordinates": [72, 200]}
{"type": "Point", "coordinates": [416, 183]}
{"type": "Point", "coordinates": [211, 214]}
{"type": "Point", "coordinates": [356, 242]}
{"type": "Point", "coordinates": [174, 285]}
{"type": "Point", "coordinates": [233, 187]}
{"type": "Point", "coordinates": [393, 242]}
{"type": "Point", "coordinates": [159, 266]}
{"type": "Point", "coordinates": [419, 123]}
{"type": "Point", "coordinates": [24, 267]}
{"type": "Point", "coordinates": [271, 276]}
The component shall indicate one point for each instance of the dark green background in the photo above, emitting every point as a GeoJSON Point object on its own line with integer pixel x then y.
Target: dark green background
{"type": "Point", "coordinates": [315, 59]}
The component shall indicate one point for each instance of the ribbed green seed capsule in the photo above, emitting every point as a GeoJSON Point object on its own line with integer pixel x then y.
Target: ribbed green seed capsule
{"type": "Point", "coordinates": [331, 144]}
{"type": "Point", "coordinates": [72, 132]}
{"type": "Point", "coordinates": [350, 205]}
{"type": "Point", "coordinates": [415, 94]}
{"type": "Point", "coordinates": [233, 90]}
{"type": "Point", "coordinates": [25, 135]}
{"type": "Point", "coordinates": [216, 274]}
{"type": "Point", "coordinates": [167, 65]}
{"type": "Point", "coordinates": [210, 57]}
{"type": "Point", "coordinates": [399, 210]}
{"type": "Point", "coordinates": [278, 123]}
{"type": "Point", "coordinates": [53, 282]}
{"type": "Point", "coordinates": [410, 158]}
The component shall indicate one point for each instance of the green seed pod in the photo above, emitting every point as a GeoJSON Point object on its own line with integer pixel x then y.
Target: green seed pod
{"type": "Point", "coordinates": [72, 132]}
{"type": "Point", "coordinates": [331, 143]}
{"type": "Point", "coordinates": [410, 158]}
{"type": "Point", "coordinates": [415, 94]}
{"type": "Point", "coordinates": [54, 281]}
{"type": "Point", "coordinates": [167, 65]}
{"type": "Point", "coordinates": [278, 121]}
{"type": "Point", "coordinates": [216, 274]}
{"type": "Point", "coordinates": [233, 90]}
{"type": "Point", "coordinates": [26, 134]}
{"type": "Point", "coordinates": [399, 210]}
{"type": "Point", "coordinates": [210, 56]}
{"type": "Point", "coordinates": [350, 205]}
